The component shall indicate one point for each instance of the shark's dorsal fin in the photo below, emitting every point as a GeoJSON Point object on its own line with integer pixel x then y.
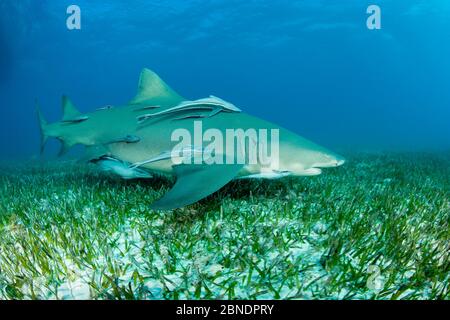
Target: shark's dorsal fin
{"type": "Point", "coordinates": [69, 110]}
{"type": "Point", "coordinates": [152, 89]}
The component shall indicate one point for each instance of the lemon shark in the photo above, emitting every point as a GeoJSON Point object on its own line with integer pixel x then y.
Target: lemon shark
{"type": "Point", "coordinates": [204, 143]}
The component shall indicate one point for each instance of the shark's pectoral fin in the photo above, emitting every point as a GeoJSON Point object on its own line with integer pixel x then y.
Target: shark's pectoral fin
{"type": "Point", "coordinates": [195, 182]}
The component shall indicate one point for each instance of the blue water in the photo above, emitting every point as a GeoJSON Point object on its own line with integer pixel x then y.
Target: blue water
{"type": "Point", "coordinates": [311, 66]}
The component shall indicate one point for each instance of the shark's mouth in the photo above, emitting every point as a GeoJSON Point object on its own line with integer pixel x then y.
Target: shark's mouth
{"type": "Point", "coordinates": [331, 164]}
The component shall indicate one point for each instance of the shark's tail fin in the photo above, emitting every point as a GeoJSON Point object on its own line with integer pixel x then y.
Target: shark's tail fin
{"type": "Point", "coordinates": [42, 127]}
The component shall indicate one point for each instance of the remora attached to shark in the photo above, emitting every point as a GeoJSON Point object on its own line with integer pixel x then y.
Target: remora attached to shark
{"type": "Point", "coordinates": [137, 139]}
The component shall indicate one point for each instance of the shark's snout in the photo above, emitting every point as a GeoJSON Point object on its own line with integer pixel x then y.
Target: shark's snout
{"type": "Point", "coordinates": [329, 160]}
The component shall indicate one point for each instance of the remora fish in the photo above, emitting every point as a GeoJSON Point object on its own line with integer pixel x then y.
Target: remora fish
{"type": "Point", "coordinates": [154, 150]}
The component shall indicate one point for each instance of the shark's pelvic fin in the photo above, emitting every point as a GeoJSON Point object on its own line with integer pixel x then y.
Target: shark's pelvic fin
{"type": "Point", "coordinates": [70, 113]}
{"type": "Point", "coordinates": [195, 182]}
{"type": "Point", "coordinates": [65, 146]}
{"type": "Point", "coordinates": [153, 90]}
{"type": "Point", "coordinates": [42, 127]}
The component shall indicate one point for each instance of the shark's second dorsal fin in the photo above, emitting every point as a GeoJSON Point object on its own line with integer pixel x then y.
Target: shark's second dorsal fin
{"type": "Point", "coordinates": [152, 89]}
{"type": "Point", "coordinates": [69, 110]}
